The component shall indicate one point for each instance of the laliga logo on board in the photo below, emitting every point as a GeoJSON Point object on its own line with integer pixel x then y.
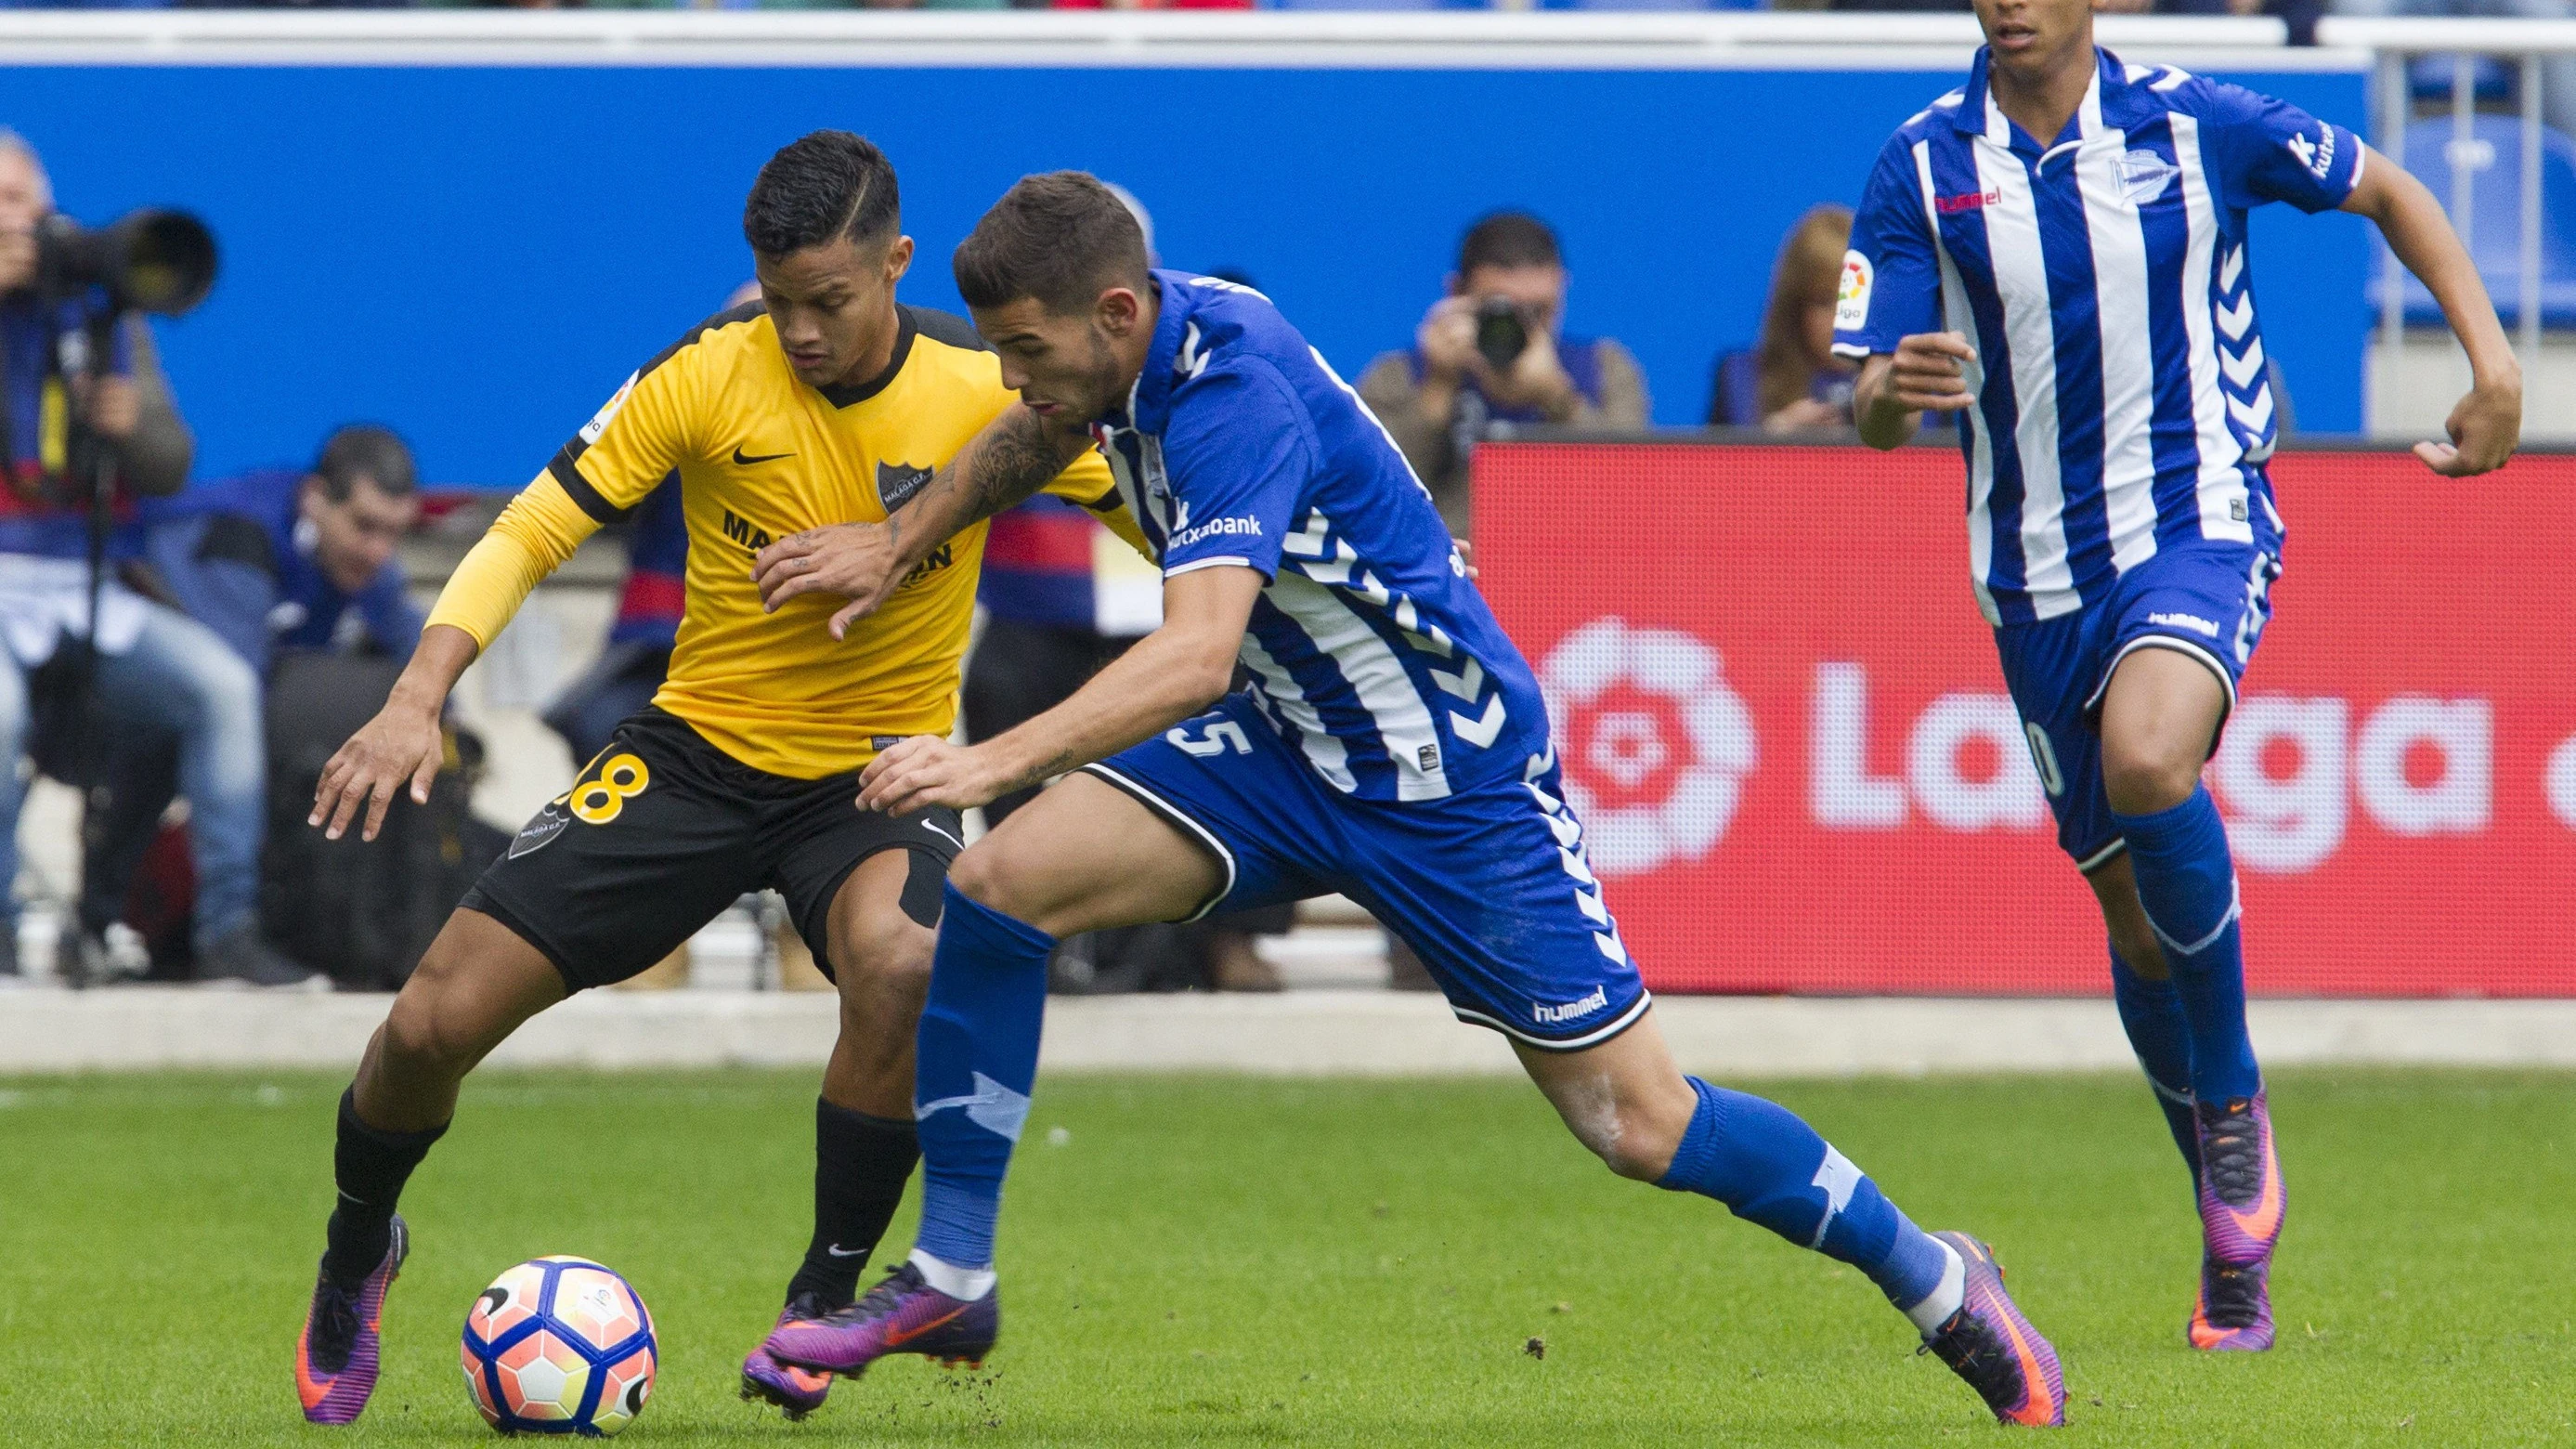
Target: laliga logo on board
{"type": "Point", "coordinates": [1615, 693]}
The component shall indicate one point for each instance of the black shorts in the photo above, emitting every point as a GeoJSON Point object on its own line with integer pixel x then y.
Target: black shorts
{"type": "Point", "coordinates": [663, 831]}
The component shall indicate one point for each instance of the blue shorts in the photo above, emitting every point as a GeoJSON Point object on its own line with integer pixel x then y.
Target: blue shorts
{"type": "Point", "coordinates": [2207, 599]}
{"type": "Point", "coordinates": [1490, 886]}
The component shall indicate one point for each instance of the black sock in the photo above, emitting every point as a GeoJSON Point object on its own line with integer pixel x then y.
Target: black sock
{"type": "Point", "coordinates": [370, 1167]}
{"type": "Point", "coordinates": [860, 1166]}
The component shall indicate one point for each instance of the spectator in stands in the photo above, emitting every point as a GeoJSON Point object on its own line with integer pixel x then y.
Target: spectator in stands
{"type": "Point", "coordinates": [299, 558]}
{"type": "Point", "coordinates": [1790, 381]}
{"type": "Point", "coordinates": [1464, 372]}
{"type": "Point", "coordinates": [137, 665]}
{"type": "Point", "coordinates": [275, 560]}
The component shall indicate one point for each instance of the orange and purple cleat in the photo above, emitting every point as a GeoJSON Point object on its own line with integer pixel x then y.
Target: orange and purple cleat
{"type": "Point", "coordinates": [1989, 1344]}
{"type": "Point", "coordinates": [2234, 1310]}
{"type": "Point", "coordinates": [336, 1354]}
{"type": "Point", "coordinates": [902, 1314]}
{"type": "Point", "coordinates": [2242, 1202]}
{"type": "Point", "coordinates": [795, 1391]}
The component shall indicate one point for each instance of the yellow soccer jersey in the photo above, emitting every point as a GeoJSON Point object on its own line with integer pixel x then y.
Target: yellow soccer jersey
{"type": "Point", "coordinates": [761, 455]}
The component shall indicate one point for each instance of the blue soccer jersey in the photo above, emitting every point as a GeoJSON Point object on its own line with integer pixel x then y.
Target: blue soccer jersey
{"type": "Point", "coordinates": [2123, 399]}
{"type": "Point", "coordinates": [1372, 655]}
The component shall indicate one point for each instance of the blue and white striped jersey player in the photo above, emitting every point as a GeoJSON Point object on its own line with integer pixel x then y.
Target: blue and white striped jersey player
{"type": "Point", "coordinates": [2057, 253]}
{"type": "Point", "coordinates": [1392, 746]}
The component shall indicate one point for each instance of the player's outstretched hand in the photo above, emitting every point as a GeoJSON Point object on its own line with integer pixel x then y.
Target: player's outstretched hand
{"type": "Point", "coordinates": [400, 743]}
{"type": "Point", "coordinates": [853, 560]}
{"type": "Point", "coordinates": [2483, 428]}
{"type": "Point", "coordinates": [1925, 373]}
{"type": "Point", "coordinates": [926, 770]}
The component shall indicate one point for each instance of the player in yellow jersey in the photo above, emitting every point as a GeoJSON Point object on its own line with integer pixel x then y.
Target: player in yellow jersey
{"type": "Point", "coordinates": [829, 402]}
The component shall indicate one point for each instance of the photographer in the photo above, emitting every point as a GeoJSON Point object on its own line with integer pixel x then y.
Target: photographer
{"type": "Point", "coordinates": [152, 667]}
{"type": "Point", "coordinates": [290, 567]}
{"type": "Point", "coordinates": [1492, 352]}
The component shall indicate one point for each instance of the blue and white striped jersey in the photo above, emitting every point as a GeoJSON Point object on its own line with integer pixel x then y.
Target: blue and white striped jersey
{"type": "Point", "coordinates": [2104, 283]}
{"type": "Point", "coordinates": [1371, 652]}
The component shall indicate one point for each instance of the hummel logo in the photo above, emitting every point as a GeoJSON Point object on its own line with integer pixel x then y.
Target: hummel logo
{"type": "Point", "coordinates": [837, 1251]}
{"type": "Point", "coordinates": [741, 460]}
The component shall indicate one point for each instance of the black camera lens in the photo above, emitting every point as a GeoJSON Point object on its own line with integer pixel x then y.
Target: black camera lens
{"type": "Point", "coordinates": [1501, 333]}
{"type": "Point", "coordinates": [149, 261]}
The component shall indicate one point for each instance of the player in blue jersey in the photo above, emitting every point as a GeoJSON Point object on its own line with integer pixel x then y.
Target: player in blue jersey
{"type": "Point", "coordinates": [2085, 305]}
{"type": "Point", "coordinates": [1392, 746]}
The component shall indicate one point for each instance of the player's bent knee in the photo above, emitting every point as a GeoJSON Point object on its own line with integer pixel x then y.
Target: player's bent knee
{"type": "Point", "coordinates": [2144, 781]}
{"type": "Point", "coordinates": [1643, 1150]}
{"type": "Point", "coordinates": [977, 873]}
{"type": "Point", "coordinates": [427, 1035]}
{"type": "Point", "coordinates": [993, 875]}
{"type": "Point", "coordinates": [1631, 1139]}
{"type": "Point", "coordinates": [892, 956]}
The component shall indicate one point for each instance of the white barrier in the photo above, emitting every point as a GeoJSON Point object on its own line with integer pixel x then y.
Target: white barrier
{"type": "Point", "coordinates": [1304, 1033]}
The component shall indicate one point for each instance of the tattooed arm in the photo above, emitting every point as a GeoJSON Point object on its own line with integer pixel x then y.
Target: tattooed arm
{"type": "Point", "coordinates": [1016, 455]}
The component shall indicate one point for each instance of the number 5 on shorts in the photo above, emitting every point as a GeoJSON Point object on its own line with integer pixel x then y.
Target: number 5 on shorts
{"type": "Point", "coordinates": [1225, 734]}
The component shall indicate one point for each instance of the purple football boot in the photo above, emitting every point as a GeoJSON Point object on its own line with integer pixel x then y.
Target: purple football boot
{"type": "Point", "coordinates": [796, 1391]}
{"type": "Point", "coordinates": [336, 1354]}
{"type": "Point", "coordinates": [2234, 1311]}
{"type": "Point", "coordinates": [1988, 1343]}
{"type": "Point", "coordinates": [2241, 1196]}
{"type": "Point", "coordinates": [902, 1314]}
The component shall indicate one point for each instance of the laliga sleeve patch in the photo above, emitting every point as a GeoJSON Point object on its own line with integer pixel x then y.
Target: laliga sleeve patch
{"type": "Point", "coordinates": [607, 413]}
{"type": "Point", "coordinates": [1851, 299]}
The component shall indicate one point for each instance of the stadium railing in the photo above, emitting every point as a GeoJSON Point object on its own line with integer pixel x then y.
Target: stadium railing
{"type": "Point", "coordinates": [2542, 284]}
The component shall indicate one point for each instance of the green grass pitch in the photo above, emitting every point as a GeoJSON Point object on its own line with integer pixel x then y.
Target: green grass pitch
{"type": "Point", "coordinates": [1213, 1261]}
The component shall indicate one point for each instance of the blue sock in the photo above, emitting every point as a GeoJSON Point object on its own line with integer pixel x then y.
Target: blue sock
{"type": "Point", "coordinates": [977, 1059]}
{"type": "Point", "coordinates": [2151, 1012]}
{"type": "Point", "coordinates": [1770, 1168]}
{"type": "Point", "coordinates": [2187, 881]}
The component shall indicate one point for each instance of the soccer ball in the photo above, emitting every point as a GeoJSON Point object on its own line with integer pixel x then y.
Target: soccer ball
{"type": "Point", "coordinates": [559, 1346]}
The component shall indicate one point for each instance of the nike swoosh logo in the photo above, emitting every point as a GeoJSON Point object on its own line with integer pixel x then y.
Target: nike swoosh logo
{"type": "Point", "coordinates": [2265, 1220]}
{"type": "Point", "coordinates": [837, 1251]}
{"type": "Point", "coordinates": [898, 1340]}
{"type": "Point", "coordinates": [2036, 1407]}
{"type": "Point", "coordinates": [944, 835]}
{"type": "Point", "coordinates": [741, 460]}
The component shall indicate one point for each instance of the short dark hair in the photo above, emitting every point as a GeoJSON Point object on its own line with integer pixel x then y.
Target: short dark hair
{"type": "Point", "coordinates": [364, 450]}
{"type": "Point", "coordinates": [1508, 239]}
{"type": "Point", "coordinates": [820, 186]}
{"type": "Point", "coordinates": [1062, 238]}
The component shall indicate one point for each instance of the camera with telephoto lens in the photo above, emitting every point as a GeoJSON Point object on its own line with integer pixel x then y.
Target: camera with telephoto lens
{"type": "Point", "coordinates": [153, 260]}
{"type": "Point", "coordinates": [1502, 334]}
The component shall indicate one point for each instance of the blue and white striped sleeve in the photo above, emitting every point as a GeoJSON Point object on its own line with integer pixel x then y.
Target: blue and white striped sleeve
{"type": "Point", "coordinates": [1891, 281]}
{"type": "Point", "coordinates": [2270, 150]}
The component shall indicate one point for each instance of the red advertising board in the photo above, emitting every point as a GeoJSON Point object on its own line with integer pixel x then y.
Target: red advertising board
{"type": "Point", "coordinates": [1799, 771]}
